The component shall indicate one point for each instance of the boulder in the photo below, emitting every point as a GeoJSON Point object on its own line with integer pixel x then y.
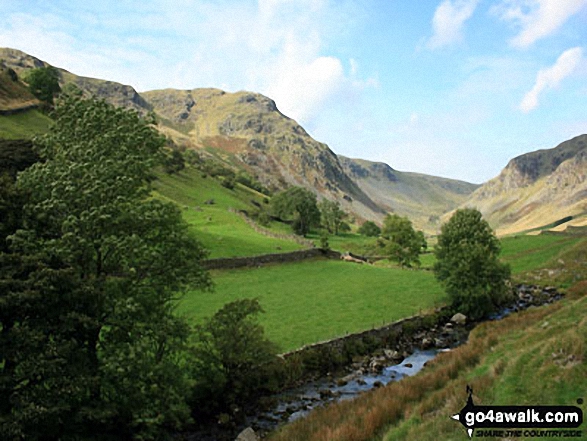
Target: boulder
{"type": "Point", "coordinates": [247, 435]}
{"type": "Point", "coordinates": [459, 319]}
{"type": "Point", "coordinates": [392, 355]}
{"type": "Point", "coordinates": [427, 343]}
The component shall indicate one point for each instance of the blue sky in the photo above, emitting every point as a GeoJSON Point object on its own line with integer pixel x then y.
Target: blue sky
{"type": "Point", "coordinates": [451, 88]}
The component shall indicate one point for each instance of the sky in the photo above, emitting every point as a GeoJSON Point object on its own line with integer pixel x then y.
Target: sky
{"type": "Point", "coordinates": [452, 88]}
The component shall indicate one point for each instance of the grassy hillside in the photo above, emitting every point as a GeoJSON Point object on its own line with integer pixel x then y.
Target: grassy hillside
{"type": "Point", "coordinates": [249, 130]}
{"type": "Point", "coordinates": [526, 253]}
{"type": "Point", "coordinates": [535, 357]}
{"type": "Point", "coordinates": [13, 93]}
{"type": "Point", "coordinates": [207, 208]}
{"type": "Point", "coordinates": [316, 300]}
{"type": "Point", "coordinates": [23, 125]}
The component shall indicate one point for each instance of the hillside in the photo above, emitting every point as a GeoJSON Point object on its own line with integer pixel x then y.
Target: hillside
{"type": "Point", "coordinates": [114, 93]}
{"type": "Point", "coordinates": [422, 198]}
{"type": "Point", "coordinates": [247, 131]}
{"type": "Point", "coordinates": [19, 117]}
{"type": "Point", "coordinates": [14, 95]}
{"type": "Point", "coordinates": [536, 189]}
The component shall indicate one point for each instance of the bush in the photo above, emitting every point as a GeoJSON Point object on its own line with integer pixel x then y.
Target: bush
{"type": "Point", "coordinates": [369, 229]}
{"type": "Point", "coordinates": [234, 361]}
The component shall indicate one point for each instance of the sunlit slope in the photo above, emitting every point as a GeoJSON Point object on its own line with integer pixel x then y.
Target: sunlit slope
{"type": "Point", "coordinates": [536, 189]}
{"type": "Point", "coordinates": [211, 211]}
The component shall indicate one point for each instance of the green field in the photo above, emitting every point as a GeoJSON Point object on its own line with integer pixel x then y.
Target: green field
{"type": "Point", "coordinates": [315, 300]}
{"type": "Point", "coordinates": [223, 232]}
{"type": "Point", "coordinates": [320, 299]}
{"type": "Point", "coordinates": [526, 253]}
{"type": "Point", "coordinates": [536, 357]}
{"type": "Point", "coordinates": [23, 125]}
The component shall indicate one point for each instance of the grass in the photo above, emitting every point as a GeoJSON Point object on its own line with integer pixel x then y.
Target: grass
{"type": "Point", "coordinates": [348, 242]}
{"type": "Point", "coordinates": [536, 357]}
{"type": "Point", "coordinates": [23, 125]}
{"type": "Point", "coordinates": [316, 300]}
{"type": "Point", "coordinates": [526, 253]}
{"type": "Point", "coordinates": [223, 232]}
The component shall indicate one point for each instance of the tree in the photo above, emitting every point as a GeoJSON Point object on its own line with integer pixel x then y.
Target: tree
{"type": "Point", "coordinates": [44, 83]}
{"type": "Point", "coordinates": [331, 215]}
{"type": "Point", "coordinates": [299, 204]}
{"type": "Point", "coordinates": [370, 229]}
{"type": "Point", "coordinates": [233, 358]}
{"type": "Point", "coordinates": [468, 264]}
{"type": "Point", "coordinates": [400, 241]}
{"type": "Point", "coordinates": [90, 340]}
{"type": "Point", "coordinates": [173, 162]}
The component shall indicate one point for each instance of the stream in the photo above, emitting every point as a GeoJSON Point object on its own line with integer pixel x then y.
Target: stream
{"type": "Point", "coordinates": [298, 402]}
{"type": "Point", "coordinates": [374, 371]}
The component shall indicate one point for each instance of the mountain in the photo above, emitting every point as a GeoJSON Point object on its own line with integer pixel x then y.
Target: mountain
{"type": "Point", "coordinates": [115, 93]}
{"type": "Point", "coordinates": [250, 132]}
{"type": "Point", "coordinates": [246, 131]}
{"type": "Point", "coordinates": [422, 198]}
{"type": "Point", "coordinates": [536, 189]}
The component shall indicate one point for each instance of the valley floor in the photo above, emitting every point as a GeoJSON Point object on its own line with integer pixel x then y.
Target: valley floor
{"type": "Point", "coordinates": [532, 358]}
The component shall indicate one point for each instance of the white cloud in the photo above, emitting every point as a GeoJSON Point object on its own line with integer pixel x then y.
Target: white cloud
{"type": "Point", "coordinates": [448, 21]}
{"type": "Point", "coordinates": [276, 47]}
{"type": "Point", "coordinates": [536, 19]}
{"type": "Point", "coordinates": [551, 77]}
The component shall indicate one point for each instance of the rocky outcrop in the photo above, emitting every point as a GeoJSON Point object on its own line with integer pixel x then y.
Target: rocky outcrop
{"type": "Point", "coordinates": [537, 189]}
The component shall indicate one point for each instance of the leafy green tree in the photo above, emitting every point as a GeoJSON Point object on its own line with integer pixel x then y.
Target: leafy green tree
{"type": "Point", "coordinates": [369, 229]}
{"type": "Point", "coordinates": [44, 83]}
{"type": "Point", "coordinates": [90, 341]}
{"type": "Point", "coordinates": [400, 241]}
{"type": "Point", "coordinates": [233, 358]}
{"type": "Point", "coordinates": [173, 161]}
{"type": "Point", "coordinates": [331, 215]}
{"type": "Point", "coordinates": [468, 264]}
{"type": "Point", "coordinates": [298, 204]}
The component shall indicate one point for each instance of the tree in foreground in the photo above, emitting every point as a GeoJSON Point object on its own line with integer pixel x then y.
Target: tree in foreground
{"type": "Point", "coordinates": [400, 241]}
{"type": "Point", "coordinates": [468, 264]}
{"type": "Point", "coordinates": [298, 204]}
{"type": "Point", "coordinates": [233, 359]}
{"type": "Point", "coordinates": [89, 341]}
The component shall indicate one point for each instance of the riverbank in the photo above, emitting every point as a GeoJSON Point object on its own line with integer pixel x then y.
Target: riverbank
{"type": "Point", "coordinates": [404, 348]}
